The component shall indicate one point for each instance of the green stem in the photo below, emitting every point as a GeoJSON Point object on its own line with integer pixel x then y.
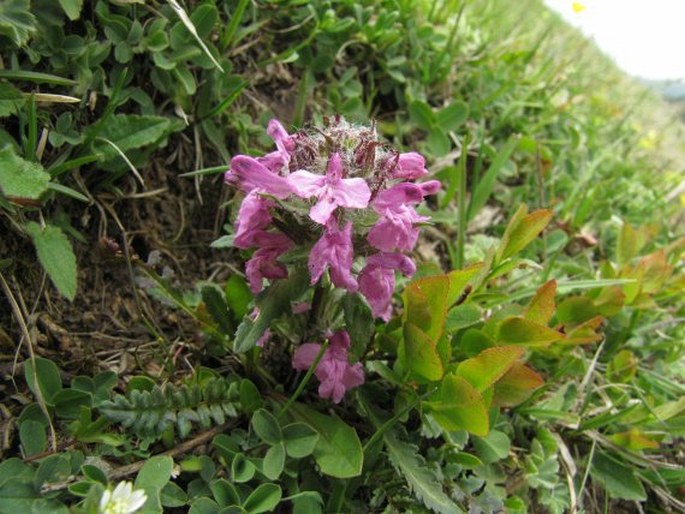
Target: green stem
{"type": "Point", "coordinates": [388, 424]}
{"type": "Point", "coordinates": [461, 203]}
{"type": "Point", "coordinates": [304, 381]}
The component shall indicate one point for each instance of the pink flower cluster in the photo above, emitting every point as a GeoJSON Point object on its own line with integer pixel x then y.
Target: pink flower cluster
{"type": "Point", "coordinates": [334, 371]}
{"type": "Point", "coordinates": [359, 195]}
{"type": "Point", "coordinates": [350, 199]}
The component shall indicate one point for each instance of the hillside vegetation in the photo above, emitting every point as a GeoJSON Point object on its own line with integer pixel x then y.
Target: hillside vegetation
{"type": "Point", "coordinates": [529, 356]}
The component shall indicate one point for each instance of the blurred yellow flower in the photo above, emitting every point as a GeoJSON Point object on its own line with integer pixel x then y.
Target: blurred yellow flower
{"type": "Point", "coordinates": [577, 7]}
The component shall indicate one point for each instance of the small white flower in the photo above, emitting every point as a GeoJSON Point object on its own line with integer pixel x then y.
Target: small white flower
{"type": "Point", "coordinates": [123, 500]}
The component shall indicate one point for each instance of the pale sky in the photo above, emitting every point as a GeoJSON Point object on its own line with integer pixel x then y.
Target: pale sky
{"type": "Point", "coordinates": [645, 37]}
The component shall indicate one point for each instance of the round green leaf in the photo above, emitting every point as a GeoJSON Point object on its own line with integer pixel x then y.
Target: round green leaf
{"type": "Point", "coordinates": [263, 499]}
{"type": "Point", "coordinates": [300, 439]}
{"type": "Point", "coordinates": [266, 427]}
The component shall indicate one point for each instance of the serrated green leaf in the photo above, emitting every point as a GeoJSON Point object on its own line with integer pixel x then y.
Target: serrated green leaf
{"type": "Point", "coordinates": [56, 256]}
{"type": "Point", "coordinates": [11, 99]}
{"type": "Point", "coordinates": [493, 447]}
{"type": "Point", "coordinates": [422, 481]}
{"type": "Point", "coordinates": [20, 178]}
{"type": "Point", "coordinates": [130, 131]}
{"type": "Point", "coordinates": [17, 21]}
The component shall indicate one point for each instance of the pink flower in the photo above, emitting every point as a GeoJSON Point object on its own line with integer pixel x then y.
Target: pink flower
{"type": "Point", "coordinates": [284, 141]}
{"type": "Point", "coordinates": [377, 280]}
{"type": "Point", "coordinates": [410, 166]}
{"type": "Point", "coordinates": [334, 371]}
{"type": "Point", "coordinates": [253, 218]}
{"type": "Point", "coordinates": [250, 175]}
{"type": "Point", "coordinates": [331, 190]}
{"type": "Point", "coordinates": [264, 263]}
{"type": "Point", "coordinates": [395, 229]}
{"type": "Point", "coordinates": [334, 250]}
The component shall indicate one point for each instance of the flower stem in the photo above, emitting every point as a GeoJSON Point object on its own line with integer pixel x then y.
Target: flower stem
{"type": "Point", "coordinates": [304, 381]}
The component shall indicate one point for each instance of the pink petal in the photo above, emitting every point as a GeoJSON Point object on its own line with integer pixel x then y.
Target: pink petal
{"type": "Point", "coordinates": [305, 355]}
{"type": "Point", "coordinates": [410, 166]}
{"type": "Point", "coordinates": [352, 192]}
{"type": "Point", "coordinates": [253, 217]}
{"type": "Point", "coordinates": [377, 284]}
{"type": "Point", "coordinates": [306, 184]}
{"type": "Point", "coordinates": [274, 161]}
{"type": "Point", "coordinates": [397, 261]}
{"type": "Point", "coordinates": [251, 174]}
{"type": "Point", "coordinates": [334, 250]}
{"type": "Point", "coordinates": [393, 233]}
{"type": "Point", "coordinates": [321, 211]}
{"type": "Point", "coordinates": [398, 195]}
{"type": "Point", "coordinates": [334, 168]}
{"type": "Point", "coordinates": [430, 188]}
{"type": "Point", "coordinates": [283, 141]}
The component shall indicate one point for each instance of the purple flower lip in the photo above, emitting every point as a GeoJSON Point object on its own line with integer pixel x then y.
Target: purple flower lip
{"type": "Point", "coordinates": [334, 250]}
{"type": "Point", "coordinates": [249, 174]}
{"type": "Point", "coordinates": [330, 190]}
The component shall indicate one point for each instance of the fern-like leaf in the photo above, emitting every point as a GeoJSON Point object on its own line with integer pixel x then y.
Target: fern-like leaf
{"type": "Point", "coordinates": [150, 413]}
{"type": "Point", "coordinates": [421, 480]}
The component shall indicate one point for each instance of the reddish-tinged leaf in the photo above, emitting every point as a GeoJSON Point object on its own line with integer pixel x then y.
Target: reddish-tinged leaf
{"type": "Point", "coordinates": [634, 440]}
{"type": "Point", "coordinates": [610, 301]}
{"type": "Point", "coordinates": [459, 406]}
{"type": "Point", "coordinates": [521, 231]}
{"type": "Point", "coordinates": [575, 310]}
{"type": "Point", "coordinates": [585, 333]}
{"type": "Point", "coordinates": [425, 304]}
{"type": "Point", "coordinates": [523, 332]}
{"type": "Point", "coordinates": [489, 366]}
{"type": "Point", "coordinates": [459, 279]}
{"type": "Point", "coordinates": [419, 355]}
{"type": "Point", "coordinates": [622, 367]}
{"type": "Point", "coordinates": [541, 307]}
{"type": "Point", "coordinates": [516, 386]}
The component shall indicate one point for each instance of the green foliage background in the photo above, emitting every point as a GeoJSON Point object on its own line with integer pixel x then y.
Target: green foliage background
{"type": "Point", "coordinates": [119, 118]}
